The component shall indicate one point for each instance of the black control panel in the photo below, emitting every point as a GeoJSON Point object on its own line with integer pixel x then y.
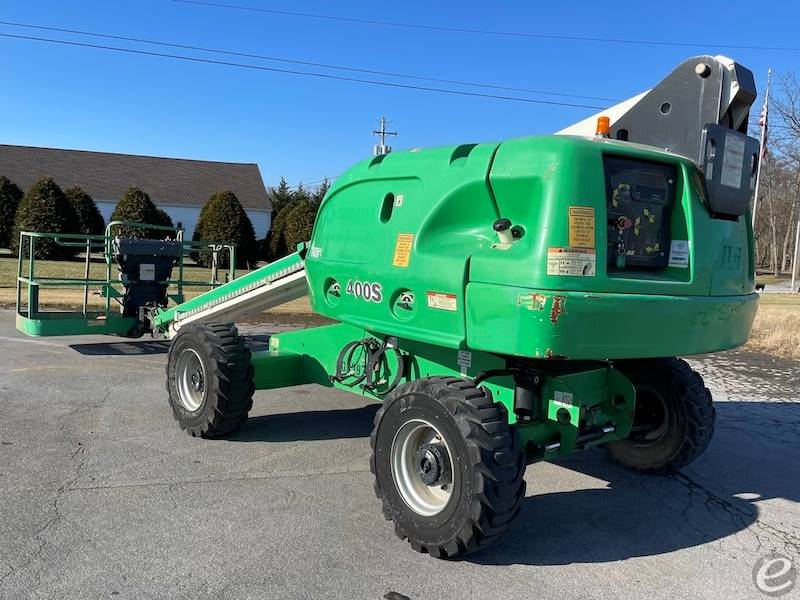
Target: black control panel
{"type": "Point", "coordinates": [640, 200]}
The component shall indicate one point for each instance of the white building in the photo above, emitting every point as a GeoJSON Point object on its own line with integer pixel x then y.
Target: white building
{"type": "Point", "coordinates": [178, 186]}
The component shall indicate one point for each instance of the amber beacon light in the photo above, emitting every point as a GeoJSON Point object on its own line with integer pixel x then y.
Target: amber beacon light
{"type": "Point", "coordinates": [603, 127]}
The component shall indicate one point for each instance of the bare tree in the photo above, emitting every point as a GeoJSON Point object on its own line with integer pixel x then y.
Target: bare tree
{"type": "Point", "coordinates": [780, 175]}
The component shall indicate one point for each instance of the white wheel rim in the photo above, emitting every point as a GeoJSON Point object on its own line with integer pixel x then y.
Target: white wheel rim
{"type": "Point", "coordinates": [426, 500]}
{"type": "Point", "coordinates": [191, 379]}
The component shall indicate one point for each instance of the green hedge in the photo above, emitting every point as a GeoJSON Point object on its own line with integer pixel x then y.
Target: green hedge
{"type": "Point", "coordinates": [10, 196]}
{"type": "Point", "coordinates": [293, 218]}
{"type": "Point", "coordinates": [45, 208]}
{"type": "Point", "coordinates": [299, 223]}
{"type": "Point", "coordinates": [136, 206]}
{"type": "Point", "coordinates": [276, 238]}
{"type": "Point", "coordinates": [223, 219]}
{"type": "Point", "coordinates": [90, 221]}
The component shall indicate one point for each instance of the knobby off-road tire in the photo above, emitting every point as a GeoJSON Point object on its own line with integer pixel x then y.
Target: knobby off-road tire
{"type": "Point", "coordinates": [449, 419]}
{"type": "Point", "coordinates": [674, 417]}
{"type": "Point", "coordinates": [209, 379]}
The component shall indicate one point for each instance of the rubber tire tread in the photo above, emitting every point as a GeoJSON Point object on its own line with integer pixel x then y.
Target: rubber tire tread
{"type": "Point", "coordinates": [229, 373]}
{"type": "Point", "coordinates": [497, 463]}
{"type": "Point", "coordinates": [700, 416]}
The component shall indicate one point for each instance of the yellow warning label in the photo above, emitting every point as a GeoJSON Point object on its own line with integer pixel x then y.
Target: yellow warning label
{"type": "Point", "coordinates": [581, 226]}
{"type": "Point", "coordinates": [402, 249]}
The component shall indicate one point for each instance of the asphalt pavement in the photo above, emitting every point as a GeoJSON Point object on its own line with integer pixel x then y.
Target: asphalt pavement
{"type": "Point", "coordinates": [102, 496]}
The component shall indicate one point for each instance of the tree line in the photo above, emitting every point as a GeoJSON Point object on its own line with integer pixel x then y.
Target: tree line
{"type": "Point", "coordinates": [45, 207]}
{"type": "Point", "coordinates": [779, 195]}
{"type": "Point", "coordinates": [293, 213]}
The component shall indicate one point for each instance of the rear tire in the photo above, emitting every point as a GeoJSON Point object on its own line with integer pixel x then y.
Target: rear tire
{"type": "Point", "coordinates": [447, 465]}
{"type": "Point", "coordinates": [673, 420]}
{"type": "Point", "coordinates": [209, 379]}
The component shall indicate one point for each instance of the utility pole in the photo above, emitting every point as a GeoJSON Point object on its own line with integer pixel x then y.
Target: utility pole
{"type": "Point", "coordinates": [382, 148]}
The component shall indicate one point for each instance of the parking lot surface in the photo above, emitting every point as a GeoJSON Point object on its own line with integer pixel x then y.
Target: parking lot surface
{"type": "Point", "coordinates": [103, 496]}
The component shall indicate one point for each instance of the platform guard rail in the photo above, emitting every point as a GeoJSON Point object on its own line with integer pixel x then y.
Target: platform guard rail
{"type": "Point", "coordinates": [36, 322]}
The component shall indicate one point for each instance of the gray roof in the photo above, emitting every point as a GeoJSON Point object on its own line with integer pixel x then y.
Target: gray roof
{"type": "Point", "coordinates": [106, 176]}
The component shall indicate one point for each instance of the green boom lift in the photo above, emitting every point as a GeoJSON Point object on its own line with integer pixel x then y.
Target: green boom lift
{"type": "Point", "coordinates": [508, 303]}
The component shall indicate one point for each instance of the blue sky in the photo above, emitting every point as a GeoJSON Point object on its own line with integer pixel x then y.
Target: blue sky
{"type": "Point", "coordinates": [305, 128]}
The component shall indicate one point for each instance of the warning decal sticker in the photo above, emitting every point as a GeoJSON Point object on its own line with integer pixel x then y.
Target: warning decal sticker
{"type": "Point", "coordinates": [464, 360]}
{"type": "Point", "coordinates": [572, 262]}
{"type": "Point", "coordinates": [442, 301]}
{"type": "Point", "coordinates": [732, 161]}
{"type": "Point", "coordinates": [679, 254]}
{"type": "Point", "coordinates": [581, 226]}
{"type": "Point", "coordinates": [402, 250]}
{"type": "Point", "coordinates": [147, 272]}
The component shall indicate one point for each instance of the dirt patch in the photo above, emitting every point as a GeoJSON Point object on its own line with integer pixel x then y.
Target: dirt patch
{"type": "Point", "coordinates": [287, 318]}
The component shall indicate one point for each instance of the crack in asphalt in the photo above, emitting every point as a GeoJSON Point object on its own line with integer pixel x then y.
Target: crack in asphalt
{"type": "Point", "coordinates": [789, 540]}
{"type": "Point", "coordinates": [39, 534]}
{"type": "Point", "coordinates": [63, 487]}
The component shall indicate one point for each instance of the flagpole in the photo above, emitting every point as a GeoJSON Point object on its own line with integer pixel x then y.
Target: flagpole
{"type": "Point", "coordinates": [796, 257]}
{"type": "Point", "coordinates": [762, 141]}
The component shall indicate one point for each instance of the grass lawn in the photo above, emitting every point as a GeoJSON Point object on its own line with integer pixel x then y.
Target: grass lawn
{"type": "Point", "coordinates": [75, 270]}
{"type": "Point", "coordinates": [770, 279]}
{"type": "Point", "coordinates": [787, 300]}
{"type": "Point", "coordinates": [776, 329]}
{"type": "Point", "coordinates": [73, 297]}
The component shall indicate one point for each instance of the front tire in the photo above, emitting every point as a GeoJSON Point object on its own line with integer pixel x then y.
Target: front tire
{"type": "Point", "coordinates": [209, 379]}
{"type": "Point", "coordinates": [673, 420]}
{"type": "Point", "coordinates": [447, 465]}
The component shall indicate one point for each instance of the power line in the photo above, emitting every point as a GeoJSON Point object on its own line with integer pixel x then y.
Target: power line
{"type": "Point", "coordinates": [299, 62]}
{"type": "Point", "coordinates": [299, 73]}
{"type": "Point", "coordinates": [310, 183]}
{"type": "Point", "coordinates": [306, 185]}
{"type": "Point", "coordinates": [450, 29]}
